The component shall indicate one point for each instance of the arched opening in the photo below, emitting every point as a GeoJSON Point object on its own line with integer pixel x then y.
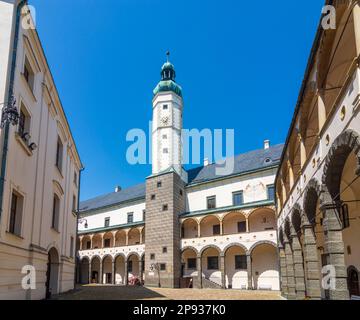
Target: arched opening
{"type": "Point", "coordinates": [189, 229]}
{"type": "Point", "coordinates": [210, 226]}
{"type": "Point", "coordinates": [343, 184]}
{"type": "Point", "coordinates": [316, 235]}
{"type": "Point", "coordinates": [84, 271]}
{"type": "Point", "coordinates": [107, 270]}
{"type": "Point", "coordinates": [236, 274]}
{"type": "Point", "coordinates": [189, 263]}
{"type": "Point", "coordinates": [86, 243]}
{"type": "Point", "coordinates": [120, 269]}
{"type": "Point", "coordinates": [52, 274]}
{"type": "Point", "coordinates": [133, 269]}
{"type": "Point", "coordinates": [95, 270]}
{"type": "Point", "coordinates": [210, 262]}
{"type": "Point", "coordinates": [262, 219]}
{"type": "Point", "coordinates": [353, 282]}
{"type": "Point", "coordinates": [108, 241]}
{"type": "Point", "coordinates": [134, 237]}
{"type": "Point", "coordinates": [97, 241]}
{"type": "Point", "coordinates": [234, 222]}
{"type": "Point", "coordinates": [120, 239]}
{"type": "Point", "coordinates": [265, 268]}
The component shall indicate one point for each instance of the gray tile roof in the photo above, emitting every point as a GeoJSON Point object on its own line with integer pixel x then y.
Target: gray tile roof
{"type": "Point", "coordinates": [246, 162]}
{"type": "Point", "coordinates": [250, 161]}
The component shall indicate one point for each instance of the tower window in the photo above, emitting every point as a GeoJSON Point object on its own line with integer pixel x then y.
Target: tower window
{"type": "Point", "coordinates": [152, 256]}
{"type": "Point", "coordinates": [164, 250]}
{"type": "Point", "coordinates": [164, 137]}
{"type": "Point", "coordinates": [153, 197]}
{"type": "Point", "coordinates": [107, 222]}
{"type": "Point", "coordinates": [159, 184]}
{"type": "Point", "coordinates": [163, 267]}
{"type": "Point", "coordinates": [165, 150]}
{"type": "Point", "coordinates": [165, 107]}
{"type": "Point", "coordinates": [165, 207]}
{"type": "Point", "coordinates": [130, 217]}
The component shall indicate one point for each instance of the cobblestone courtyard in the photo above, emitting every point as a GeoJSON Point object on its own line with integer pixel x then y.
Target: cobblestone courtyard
{"type": "Point", "coordinates": [98, 292]}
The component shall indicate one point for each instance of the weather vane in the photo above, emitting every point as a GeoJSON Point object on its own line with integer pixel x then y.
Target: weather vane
{"type": "Point", "coordinates": [167, 55]}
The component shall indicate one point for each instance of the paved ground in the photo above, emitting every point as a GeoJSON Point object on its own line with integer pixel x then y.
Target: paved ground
{"type": "Point", "coordinates": [98, 292]}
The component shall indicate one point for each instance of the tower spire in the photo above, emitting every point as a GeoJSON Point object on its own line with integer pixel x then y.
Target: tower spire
{"type": "Point", "coordinates": [167, 56]}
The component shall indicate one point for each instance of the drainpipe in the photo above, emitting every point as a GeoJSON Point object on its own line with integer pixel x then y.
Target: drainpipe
{"type": "Point", "coordinates": [77, 265]}
{"type": "Point", "coordinates": [7, 98]}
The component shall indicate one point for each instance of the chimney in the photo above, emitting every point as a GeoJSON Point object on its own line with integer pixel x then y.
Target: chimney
{"type": "Point", "coordinates": [206, 162]}
{"type": "Point", "coordinates": [266, 144]}
{"type": "Point", "coordinates": [117, 189]}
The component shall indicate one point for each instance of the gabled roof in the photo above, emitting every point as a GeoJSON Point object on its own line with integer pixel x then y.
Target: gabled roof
{"type": "Point", "coordinates": [243, 163]}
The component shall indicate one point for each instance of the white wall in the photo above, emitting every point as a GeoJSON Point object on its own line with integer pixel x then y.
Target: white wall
{"type": "Point", "coordinates": [253, 186]}
{"type": "Point", "coordinates": [117, 216]}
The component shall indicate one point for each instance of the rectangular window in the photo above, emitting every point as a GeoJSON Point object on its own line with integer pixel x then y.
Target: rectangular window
{"type": "Point", "coordinates": [88, 245]}
{"type": "Point", "coordinates": [165, 107]}
{"type": "Point", "coordinates": [130, 217]}
{"type": "Point", "coordinates": [241, 225]}
{"type": "Point", "coordinates": [16, 213]}
{"type": "Point", "coordinates": [163, 267]}
{"type": "Point", "coordinates": [213, 263]}
{"type": "Point", "coordinates": [59, 154]}
{"type": "Point", "coordinates": [211, 202]}
{"type": "Point", "coordinates": [191, 263]}
{"type": "Point", "coordinates": [153, 197]}
{"type": "Point", "coordinates": [165, 150]}
{"type": "Point", "coordinates": [164, 249]}
{"type": "Point", "coordinates": [164, 136]}
{"type": "Point", "coordinates": [152, 256]}
{"type": "Point", "coordinates": [107, 222]}
{"type": "Point", "coordinates": [56, 213]}
{"type": "Point", "coordinates": [75, 178]}
{"type": "Point", "coordinates": [159, 184]}
{"type": "Point", "coordinates": [271, 193]}
{"type": "Point", "coordinates": [72, 247]}
{"type": "Point", "coordinates": [107, 243]}
{"type": "Point", "coordinates": [165, 207]}
{"type": "Point", "coordinates": [238, 198]}
{"type": "Point", "coordinates": [240, 262]}
{"type": "Point", "coordinates": [24, 124]}
{"type": "Point", "coordinates": [29, 74]}
{"type": "Point", "coordinates": [216, 230]}
{"type": "Point", "coordinates": [143, 215]}
{"type": "Point", "coordinates": [74, 206]}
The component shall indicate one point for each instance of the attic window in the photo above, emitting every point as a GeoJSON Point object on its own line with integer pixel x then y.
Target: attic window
{"type": "Point", "coordinates": [268, 160]}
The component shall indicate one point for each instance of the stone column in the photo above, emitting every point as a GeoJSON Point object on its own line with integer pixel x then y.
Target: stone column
{"type": "Point", "coordinates": [221, 228]}
{"type": "Point", "coordinates": [101, 273]}
{"type": "Point", "coordinates": [298, 267]}
{"type": "Point", "coordinates": [290, 270]}
{"type": "Point", "coordinates": [199, 230]}
{"type": "Point", "coordinates": [113, 272]}
{"type": "Point", "coordinates": [141, 262]}
{"type": "Point", "coordinates": [114, 238]}
{"type": "Point", "coordinates": [249, 271]}
{"type": "Point", "coordinates": [334, 249]}
{"type": "Point", "coordinates": [247, 225]}
{"type": "Point", "coordinates": [89, 272]}
{"type": "Point", "coordinates": [199, 270]}
{"type": "Point", "coordinates": [311, 263]}
{"type": "Point", "coordinates": [91, 241]}
{"type": "Point", "coordinates": [126, 273]}
{"type": "Point", "coordinates": [222, 270]}
{"type": "Point", "coordinates": [140, 230]}
{"type": "Point", "coordinates": [283, 271]}
{"type": "Point", "coordinates": [127, 237]}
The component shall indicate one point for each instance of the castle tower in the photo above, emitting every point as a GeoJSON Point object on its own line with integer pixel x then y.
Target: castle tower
{"type": "Point", "coordinates": [165, 194]}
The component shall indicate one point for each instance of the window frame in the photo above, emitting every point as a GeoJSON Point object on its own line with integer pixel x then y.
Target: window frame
{"type": "Point", "coordinates": [242, 264]}
{"type": "Point", "coordinates": [268, 187]}
{"type": "Point", "coordinates": [237, 193]}
{"type": "Point", "coordinates": [16, 217]}
{"type": "Point", "coordinates": [106, 222]}
{"type": "Point", "coordinates": [59, 154]}
{"type": "Point", "coordinates": [207, 202]}
{"type": "Point", "coordinates": [209, 267]}
{"type": "Point", "coordinates": [193, 266]}
{"type": "Point", "coordinates": [55, 222]}
{"type": "Point", "coordinates": [130, 214]}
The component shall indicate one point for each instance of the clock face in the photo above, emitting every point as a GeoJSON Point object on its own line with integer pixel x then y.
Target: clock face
{"type": "Point", "coordinates": [165, 120]}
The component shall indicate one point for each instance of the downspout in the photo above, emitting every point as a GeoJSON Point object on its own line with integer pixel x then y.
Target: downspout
{"type": "Point", "coordinates": [7, 97]}
{"type": "Point", "coordinates": [77, 265]}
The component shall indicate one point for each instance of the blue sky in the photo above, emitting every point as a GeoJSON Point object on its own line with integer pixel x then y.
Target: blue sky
{"type": "Point", "coordinates": [240, 63]}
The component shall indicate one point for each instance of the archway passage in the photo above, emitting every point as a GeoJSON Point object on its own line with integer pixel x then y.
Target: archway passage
{"type": "Point", "coordinates": [189, 268]}
{"type": "Point", "coordinates": [342, 181]}
{"type": "Point", "coordinates": [262, 219]}
{"type": "Point", "coordinates": [210, 265]}
{"type": "Point", "coordinates": [107, 276]}
{"type": "Point", "coordinates": [52, 274]}
{"type": "Point", "coordinates": [265, 267]}
{"type": "Point", "coordinates": [236, 268]}
{"type": "Point", "coordinates": [95, 270]}
{"type": "Point", "coordinates": [133, 268]}
{"type": "Point", "coordinates": [120, 270]}
{"type": "Point", "coordinates": [84, 271]}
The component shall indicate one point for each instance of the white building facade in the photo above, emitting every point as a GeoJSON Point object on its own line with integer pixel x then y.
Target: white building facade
{"type": "Point", "coordinates": [184, 228]}
{"type": "Point", "coordinates": [40, 168]}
